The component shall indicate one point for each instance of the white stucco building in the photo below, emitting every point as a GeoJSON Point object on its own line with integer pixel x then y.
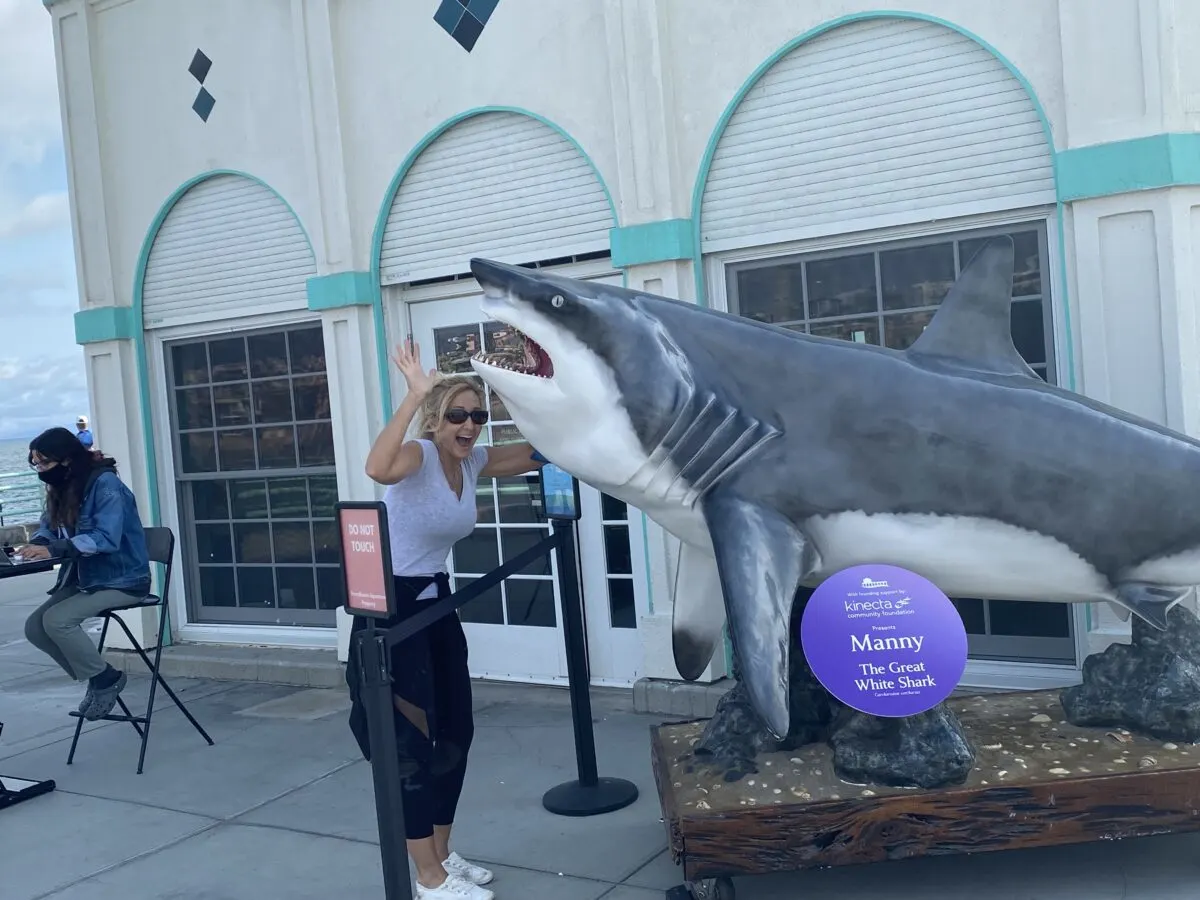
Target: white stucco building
{"type": "Point", "coordinates": [268, 196]}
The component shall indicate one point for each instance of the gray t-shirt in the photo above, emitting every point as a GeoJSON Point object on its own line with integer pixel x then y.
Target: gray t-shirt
{"type": "Point", "coordinates": [426, 520]}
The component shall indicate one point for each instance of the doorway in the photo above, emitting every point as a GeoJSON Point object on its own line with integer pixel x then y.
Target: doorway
{"type": "Point", "coordinates": [515, 629]}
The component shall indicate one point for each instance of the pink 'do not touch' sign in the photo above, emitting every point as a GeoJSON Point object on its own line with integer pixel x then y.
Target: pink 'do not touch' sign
{"type": "Point", "coordinates": [366, 573]}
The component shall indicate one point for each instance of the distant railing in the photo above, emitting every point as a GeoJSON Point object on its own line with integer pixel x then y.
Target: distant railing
{"type": "Point", "coordinates": [21, 498]}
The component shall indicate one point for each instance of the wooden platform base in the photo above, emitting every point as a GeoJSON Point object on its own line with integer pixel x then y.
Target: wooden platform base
{"type": "Point", "coordinates": [1038, 781]}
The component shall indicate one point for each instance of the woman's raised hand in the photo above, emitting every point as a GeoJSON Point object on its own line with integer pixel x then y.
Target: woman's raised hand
{"type": "Point", "coordinates": [408, 360]}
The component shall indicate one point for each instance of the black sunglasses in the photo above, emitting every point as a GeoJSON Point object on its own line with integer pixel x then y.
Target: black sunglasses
{"type": "Point", "coordinates": [458, 415]}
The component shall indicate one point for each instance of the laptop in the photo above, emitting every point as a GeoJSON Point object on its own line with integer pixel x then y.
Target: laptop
{"type": "Point", "coordinates": [9, 566]}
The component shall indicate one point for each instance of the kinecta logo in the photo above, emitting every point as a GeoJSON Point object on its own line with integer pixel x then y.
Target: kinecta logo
{"type": "Point", "coordinates": [893, 605]}
{"type": "Point", "coordinates": [869, 583]}
{"type": "Point", "coordinates": [869, 605]}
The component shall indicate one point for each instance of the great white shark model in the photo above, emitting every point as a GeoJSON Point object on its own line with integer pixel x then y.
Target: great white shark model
{"type": "Point", "coordinates": [779, 458]}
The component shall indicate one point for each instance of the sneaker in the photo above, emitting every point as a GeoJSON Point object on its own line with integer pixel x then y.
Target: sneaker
{"type": "Point", "coordinates": [456, 865]}
{"type": "Point", "coordinates": [104, 699]}
{"type": "Point", "coordinates": [453, 888]}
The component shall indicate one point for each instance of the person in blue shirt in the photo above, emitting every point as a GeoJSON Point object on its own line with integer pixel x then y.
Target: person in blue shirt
{"type": "Point", "coordinates": [83, 432]}
{"type": "Point", "coordinates": [92, 524]}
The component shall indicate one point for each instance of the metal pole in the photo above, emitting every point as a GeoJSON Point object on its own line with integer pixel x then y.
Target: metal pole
{"type": "Point", "coordinates": [376, 680]}
{"type": "Point", "coordinates": [577, 667]}
{"type": "Point", "coordinates": [589, 795]}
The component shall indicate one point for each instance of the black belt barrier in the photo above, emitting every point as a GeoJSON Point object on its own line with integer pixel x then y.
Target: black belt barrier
{"type": "Point", "coordinates": [585, 796]}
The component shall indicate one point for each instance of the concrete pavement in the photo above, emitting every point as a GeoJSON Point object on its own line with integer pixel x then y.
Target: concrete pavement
{"type": "Point", "coordinates": [282, 806]}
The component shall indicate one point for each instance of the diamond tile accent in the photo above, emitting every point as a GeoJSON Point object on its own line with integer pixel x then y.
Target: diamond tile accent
{"type": "Point", "coordinates": [463, 20]}
{"type": "Point", "coordinates": [482, 9]}
{"type": "Point", "coordinates": [203, 104]}
{"type": "Point", "coordinates": [448, 15]}
{"type": "Point", "coordinates": [199, 69]}
{"type": "Point", "coordinates": [200, 66]}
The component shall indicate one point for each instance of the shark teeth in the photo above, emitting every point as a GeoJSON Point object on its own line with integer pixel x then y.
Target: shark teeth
{"type": "Point", "coordinates": [526, 359]}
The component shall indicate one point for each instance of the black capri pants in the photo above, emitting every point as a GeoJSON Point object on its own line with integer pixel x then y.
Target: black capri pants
{"type": "Point", "coordinates": [435, 725]}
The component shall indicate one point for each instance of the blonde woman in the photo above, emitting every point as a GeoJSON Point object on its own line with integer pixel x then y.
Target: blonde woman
{"type": "Point", "coordinates": [430, 499]}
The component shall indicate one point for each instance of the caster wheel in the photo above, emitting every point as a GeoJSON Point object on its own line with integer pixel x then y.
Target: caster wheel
{"type": "Point", "coordinates": [712, 889]}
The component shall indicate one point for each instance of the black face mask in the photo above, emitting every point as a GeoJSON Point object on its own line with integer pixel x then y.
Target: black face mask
{"type": "Point", "coordinates": [57, 476]}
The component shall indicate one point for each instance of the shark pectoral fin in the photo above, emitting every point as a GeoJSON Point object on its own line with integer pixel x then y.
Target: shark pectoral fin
{"type": "Point", "coordinates": [761, 558]}
{"type": "Point", "coordinates": [1150, 602]}
{"type": "Point", "coordinates": [698, 611]}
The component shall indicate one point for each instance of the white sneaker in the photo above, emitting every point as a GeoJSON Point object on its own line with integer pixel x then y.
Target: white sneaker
{"type": "Point", "coordinates": [456, 865]}
{"type": "Point", "coordinates": [454, 888]}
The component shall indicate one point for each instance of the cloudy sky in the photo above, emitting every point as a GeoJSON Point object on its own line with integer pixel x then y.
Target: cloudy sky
{"type": "Point", "coordinates": [41, 368]}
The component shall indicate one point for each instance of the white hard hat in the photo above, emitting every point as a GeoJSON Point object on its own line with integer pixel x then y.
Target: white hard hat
{"type": "Point", "coordinates": [82, 420]}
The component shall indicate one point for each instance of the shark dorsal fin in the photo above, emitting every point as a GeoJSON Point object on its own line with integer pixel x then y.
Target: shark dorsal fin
{"type": "Point", "coordinates": [972, 327]}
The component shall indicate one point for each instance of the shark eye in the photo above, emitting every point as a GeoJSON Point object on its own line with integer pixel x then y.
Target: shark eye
{"type": "Point", "coordinates": [557, 301]}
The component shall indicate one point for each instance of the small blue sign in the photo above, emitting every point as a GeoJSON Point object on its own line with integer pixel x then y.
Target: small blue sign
{"type": "Point", "coordinates": [560, 493]}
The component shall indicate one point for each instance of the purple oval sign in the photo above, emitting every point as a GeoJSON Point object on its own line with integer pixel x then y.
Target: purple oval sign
{"type": "Point", "coordinates": [884, 641]}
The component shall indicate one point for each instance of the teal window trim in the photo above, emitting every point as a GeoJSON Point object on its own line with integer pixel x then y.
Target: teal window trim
{"type": "Point", "coordinates": [139, 334]}
{"type": "Point", "coordinates": [791, 45]}
{"type": "Point", "coordinates": [1121, 167]}
{"type": "Point", "coordinates": [105, 323]}
{"type": "Point", "coordinates": [338, 290]}
{"type": "Point", "coordinates": [734, 102]}
{"type": "Point", "coordinates": [651, 242]}
{"type": "Point", "coordinates": [389, 197]}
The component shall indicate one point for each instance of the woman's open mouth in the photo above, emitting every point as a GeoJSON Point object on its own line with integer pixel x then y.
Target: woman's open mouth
{"type": "Point", "coordinates": [520, 354]}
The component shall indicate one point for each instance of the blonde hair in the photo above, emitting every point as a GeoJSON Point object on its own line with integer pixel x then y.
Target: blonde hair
{"type": "Point", "coordinates": [441, 397]}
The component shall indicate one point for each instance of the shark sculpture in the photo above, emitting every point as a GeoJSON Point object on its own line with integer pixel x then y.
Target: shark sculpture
{"type": "Point", "coordinates": [779, 458]}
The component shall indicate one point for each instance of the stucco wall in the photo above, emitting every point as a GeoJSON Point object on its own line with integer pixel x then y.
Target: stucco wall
{"type": "Point", "coordinates": [152, 141]}
{"type": "Point", "coordinates": [400, 77]}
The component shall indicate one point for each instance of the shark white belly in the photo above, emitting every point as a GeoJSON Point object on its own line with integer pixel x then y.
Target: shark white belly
{"type": "Point", "coordinates": [965, 557]}
{"type": "Point", "coordinates": [1180, 568]}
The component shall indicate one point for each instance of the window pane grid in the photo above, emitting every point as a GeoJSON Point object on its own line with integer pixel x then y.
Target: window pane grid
{"type": "Point", "coordinates": [259, 425]}
{"type": "Point", "coordinates": [253, 437]}
{"type": "Point", "coordinates": [511, 499]}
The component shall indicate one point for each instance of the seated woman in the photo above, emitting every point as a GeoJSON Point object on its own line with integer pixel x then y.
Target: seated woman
{"type": "Point", "coordinates": [91, 522]}
{"type": "Point", "coordinates": [431, 506]}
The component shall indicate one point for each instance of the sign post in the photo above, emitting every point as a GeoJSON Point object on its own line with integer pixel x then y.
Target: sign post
{"type": "Point", "coordinates": [588, 795]}
{"type": "Point", "coordinates": [367, 569]}
{"type": "Point", "coordinates": [884, 641]}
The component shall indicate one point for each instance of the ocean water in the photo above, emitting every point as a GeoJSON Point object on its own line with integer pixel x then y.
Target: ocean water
{"type": "Point", "coordinates": [20, 490]}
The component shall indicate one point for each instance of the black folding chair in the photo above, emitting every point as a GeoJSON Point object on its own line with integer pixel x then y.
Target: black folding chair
{"type": "Point", "coordinates": [160, 543]}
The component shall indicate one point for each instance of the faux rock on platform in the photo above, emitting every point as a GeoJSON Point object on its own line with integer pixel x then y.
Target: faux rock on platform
{"type": "Point", "coordinates": [1150, 685]}
{"type": "Point", "coordinates": [928, 750]}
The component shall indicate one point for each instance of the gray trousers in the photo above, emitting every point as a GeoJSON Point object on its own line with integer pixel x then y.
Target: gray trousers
{"type": "Point", "coordinates": [54, 628]}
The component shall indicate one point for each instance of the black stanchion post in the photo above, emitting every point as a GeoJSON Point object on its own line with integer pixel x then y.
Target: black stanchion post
{"type": "Point", "coordinates": [588, 795]}
{"type": "Point", "coordinates": [577, 671]}
{"type": "Point", "coordinates": [376, 680]}
{"type": "Point", "coordinates": [367, 570]}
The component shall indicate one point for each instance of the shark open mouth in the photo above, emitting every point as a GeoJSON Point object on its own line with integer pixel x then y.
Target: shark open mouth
{"type": "Point", "coordinates": [521, 354]}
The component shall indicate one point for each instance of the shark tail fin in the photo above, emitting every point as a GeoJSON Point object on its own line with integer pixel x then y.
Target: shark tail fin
{"type": "Point", "coordinates": [1151, 602]}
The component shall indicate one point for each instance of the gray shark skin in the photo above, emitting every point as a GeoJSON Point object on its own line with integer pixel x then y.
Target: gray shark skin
{"type": "Point", "coordinates": [779, 458]}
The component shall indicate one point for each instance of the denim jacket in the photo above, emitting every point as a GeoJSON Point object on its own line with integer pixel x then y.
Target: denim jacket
{"type": "Point", "coordinates": [107, 549]}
